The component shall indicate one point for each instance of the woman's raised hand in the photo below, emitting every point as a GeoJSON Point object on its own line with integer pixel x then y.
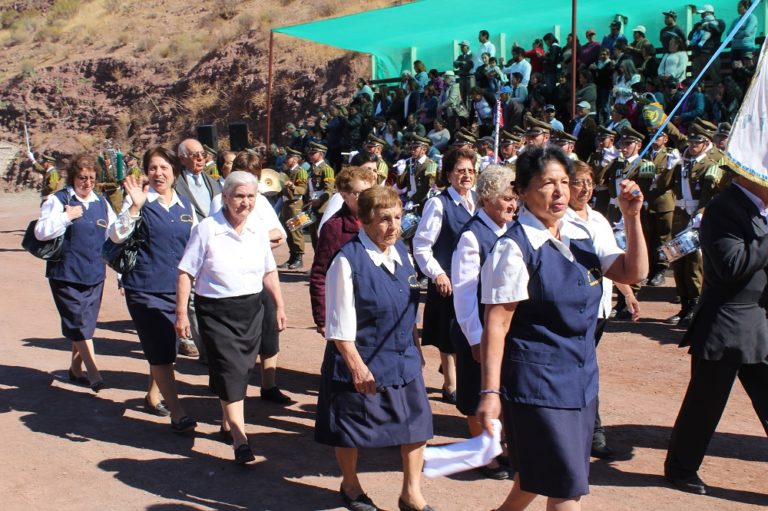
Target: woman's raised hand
{"type": "Point", "coordinates": [136, 188]}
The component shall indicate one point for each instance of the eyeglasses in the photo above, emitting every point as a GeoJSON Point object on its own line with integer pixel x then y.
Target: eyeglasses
{"type": "Point", "coordinates": [466, 172]}
{"type": "Point", "coordinates": [582, 183]}
{"type": "Point", "coordinates": [198, 154]}
{"type": "Point", "coordinates": [86, 178]}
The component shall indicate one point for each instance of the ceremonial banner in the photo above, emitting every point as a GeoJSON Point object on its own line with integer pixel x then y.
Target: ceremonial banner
{"type": "Point", "coordinates": [748, 143]}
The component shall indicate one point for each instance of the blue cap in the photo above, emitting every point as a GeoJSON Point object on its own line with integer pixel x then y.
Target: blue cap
{"type": "Point", "coordinates": [506, 90]}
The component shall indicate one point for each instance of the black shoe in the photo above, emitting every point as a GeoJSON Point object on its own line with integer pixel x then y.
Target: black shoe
{"type": "Point", "coordinates": [674, 320]}
{"type": "Point", "coordinates": [449, 397]}
{"type": "Point", "coordinates": [360, 503]}
{"type": "Point", "coordinates": [657, 280]}
{"type": "Point", "coordinates": [498, 473]}
{"type": "Point", "coordinates": [98, 385]}
{"type": "Point", "coordinates": [244, 454]}
{"type": "Point", "coordinates": [159, 409]}
{"type": "Point", "coordinates": [689, 484]}
{"type": "Point", "coordinates": [184, 425]}
{"type": "Point", "coordinates": [402, 506]}
{"type": "Point", "coordinates": [600, 450]}
{"type": "Point", "coordinates": [225, 435]}
{"type": "Point", "coordinates": [78, 380]}
{"type": "Point", "coordinates": [297, 263]}
{"type": "Point", "coordinates": [275, 395]}
{"type": "Point", "coordinates": [685, 321]}
{"type": "Point", "coordinates": [289, 261]}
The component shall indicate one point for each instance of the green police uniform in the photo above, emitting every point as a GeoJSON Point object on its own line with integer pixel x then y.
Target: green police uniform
{"type": "Point", "coordinates": [661, 206]}
{"type": "Point", "coordinates": [293, 202]}
{"type": "Point", "coordinates": [322, 185]}
{"type": "Point", "coordinates": [51, 179]}
{"type": "Point", "coordinates": [643, 173]}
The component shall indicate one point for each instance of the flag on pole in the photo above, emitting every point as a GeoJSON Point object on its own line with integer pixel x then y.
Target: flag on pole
{"type": "Point", "coordinates": [747, 147]}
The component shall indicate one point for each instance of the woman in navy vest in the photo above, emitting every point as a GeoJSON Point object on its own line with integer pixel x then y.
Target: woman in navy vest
{"type": "Point", "coordinates": [542, 290]}
{"type": "Point", "coordinates": [77, 278]}
{"type": "Point", "coordinates": [499, 204]}
{"type": "Point", "coordinates": [372, 391]}
{"type": "Point", "coordinates": [150, 288]}
{"type": "Point", "coordinates": [443, 219]}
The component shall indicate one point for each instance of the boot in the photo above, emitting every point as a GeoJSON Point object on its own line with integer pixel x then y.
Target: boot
{"type": "Point", "coordinates": [685, 321]}
{"type": "Point", "coordinates": [297, 263]}
{"type": "Point", "coordinates": [675, 320]}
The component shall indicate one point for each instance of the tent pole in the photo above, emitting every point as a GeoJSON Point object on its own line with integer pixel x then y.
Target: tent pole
{"type": "Point", "coordinates": [573, 60]}
{"type": "Point", "coordinates": [269, 88]}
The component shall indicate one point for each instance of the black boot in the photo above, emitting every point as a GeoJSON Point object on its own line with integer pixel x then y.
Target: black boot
{"type": "Point", "coordinates": [685, 321]}
{"type": "Point", "coordinates": [684, 306]}
{"type": "Point", "coordinates": [288, 263]}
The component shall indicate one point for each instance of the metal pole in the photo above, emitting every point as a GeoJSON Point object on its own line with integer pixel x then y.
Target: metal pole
{"type": "Point", "coordinates": [573, 60]}
{"type": "Point", "coordinates": [269, 88]}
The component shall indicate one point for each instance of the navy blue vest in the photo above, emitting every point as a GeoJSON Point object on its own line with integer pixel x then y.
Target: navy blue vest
{"type": "Point", "coordinates": [386, 306]}
{"type": "Point", "coordinates": [549, 355]}
{"type": "Point", "coordinates": [454, 219]}
{"type": "Point", "coordinates": [81, 261]}
{"type": "Point", "coordinates": [165, 237]}
{"type": "Point", "coordinates": [486, 238]}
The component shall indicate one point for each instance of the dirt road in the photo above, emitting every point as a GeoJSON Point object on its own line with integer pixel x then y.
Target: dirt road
{"type": "Point", "coordinates": [66, 449]}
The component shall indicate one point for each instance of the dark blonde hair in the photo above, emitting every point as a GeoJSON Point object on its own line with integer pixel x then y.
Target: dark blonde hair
{"type": "Point", "coordinates": [579, 167]}
{"type": "Point", "coordinates": [376, 197]}
{"type": "Point", "coordinates": [80, 162]}
{"type": "Point", "coordinates": [345, 178]}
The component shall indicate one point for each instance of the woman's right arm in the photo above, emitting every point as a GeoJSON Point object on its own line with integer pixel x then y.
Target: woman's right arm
{"type": "Point", "coordinates": [189, 268]}
{"type": "Point", "coordinates": [136, 197]}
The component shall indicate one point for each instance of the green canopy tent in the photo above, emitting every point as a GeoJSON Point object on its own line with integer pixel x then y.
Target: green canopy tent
{"type": "Point", "coordinates": [429, 30]}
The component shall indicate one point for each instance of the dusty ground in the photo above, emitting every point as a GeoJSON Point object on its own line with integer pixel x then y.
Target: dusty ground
{"type": "Point", "coordinates": [66, 449]}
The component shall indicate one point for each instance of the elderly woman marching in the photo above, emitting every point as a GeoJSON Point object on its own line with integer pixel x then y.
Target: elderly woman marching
{"type": "Point", "coordinates": [77, 278]}
{"type": "Point", "coordinates": [498, 202]}
{"type": "Point", "coordinates": [542, 290]}
{"type": "Point", "coordinates": [439, 228]}
{"type": "Point", "coordinates": [229, 258]}
{"type": "Point", "coordinates": [372, 391]}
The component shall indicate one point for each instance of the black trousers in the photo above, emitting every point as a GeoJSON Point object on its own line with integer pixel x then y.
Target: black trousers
{"type": "Point", "coordinates": [703, 405]}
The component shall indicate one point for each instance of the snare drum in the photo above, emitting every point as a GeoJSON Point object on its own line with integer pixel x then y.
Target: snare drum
{"type": "Point", "coordinates": [408, 225]}
{"type": "Point", "coordinates": [300, 221]}
{"type": "Point", "coordinates": [687, 242]}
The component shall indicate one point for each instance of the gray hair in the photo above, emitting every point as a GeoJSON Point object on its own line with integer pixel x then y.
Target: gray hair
{"type": "Point", "coordinates": [182, 152]}
{"type": "Point", "coordinates": [239, 178]}
{"type": "Point", "coordinates": [494, 181]}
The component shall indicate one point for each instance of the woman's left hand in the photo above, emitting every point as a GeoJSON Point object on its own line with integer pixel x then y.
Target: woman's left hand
{"type": "Point", "coordinates": [443, 285]}
{"type": "Point", "coordinates": [282, 319]}
{"type": "Point", "coordinates": [182, 326]}
{"type": "Point", "coordinates": [630, 199]}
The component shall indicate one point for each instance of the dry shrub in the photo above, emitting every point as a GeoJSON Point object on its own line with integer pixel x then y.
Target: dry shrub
{"type": "Point", "coordinates": [9, 18]}
{"type": "Point", "coordinates": [183, 50]}
{"type": "Point", "coordinates": [246, 21]}
{"type": "Point", "coordinates": [227, 9]}
{"type": "Point", "coordinates": [330, 8]}
{"type": "Point", "coordinates": [201, 98]}
{"type": "Point", "coordinates": [63, 10]}
{"type": "Point", "coordinates": [113, 6]}
{"type": "Point", "coordinates": [285, 3]}
{"type": "Point", "coordinates": [86, 140]}
{"type": "Point", "coordinates": [265, 19]}
{"type": "Point", "coordinates": [19, 36]}
{"type": "Point", "coordinates": [50, 33]}
{"type": "Point", "coordinates": [146, 44]}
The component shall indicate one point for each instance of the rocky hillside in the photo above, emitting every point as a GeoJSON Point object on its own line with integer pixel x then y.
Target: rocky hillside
{"type": "Point", "coordinates": [149, 71]}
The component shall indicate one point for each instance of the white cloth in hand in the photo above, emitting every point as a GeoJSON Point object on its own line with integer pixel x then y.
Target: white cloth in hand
{"type": "Point", "coordinates": [400, 166]}
{"type": "Point", "coordinates": [476, 452]}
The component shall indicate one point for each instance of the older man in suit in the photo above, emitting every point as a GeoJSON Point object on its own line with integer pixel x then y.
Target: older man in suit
{"type": "Point", "coordinates": [728, 336]}
{"type": "Point", "coordinates": [200, 188]}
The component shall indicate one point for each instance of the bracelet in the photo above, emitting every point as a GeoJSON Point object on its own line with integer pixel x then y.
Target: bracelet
{"type": "Point", "coordinates": [489, 391]}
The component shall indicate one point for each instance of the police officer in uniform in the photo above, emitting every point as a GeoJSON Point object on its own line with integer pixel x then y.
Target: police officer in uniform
{"type": "Point", "coordinates": [416, 175]}
{"type": "Point", "coordinates": [537, 132]}
{"type": "Point", "coordinates": [695, 181]}
{"type": "Point", "coordinates": [51, 176]}
{"type": "Point", "coordinates": [661, 205]}
{"type": "Point", "coordinates": [624, 167]}
{"type": "Point", "coordinates": [375, 145]}
{"type": "Point", "coordinates": [600, 160]}
{"type": "Point", "coordinates": [294, 188]}
{"type": "Point", "coordinates": [566, 142]}
{"type": "Point", "coordinates": [508, 145]}
{"type": "Point", "coordinates": [321, 184]}
{"type": "Point", "coordinates": [210, 162]}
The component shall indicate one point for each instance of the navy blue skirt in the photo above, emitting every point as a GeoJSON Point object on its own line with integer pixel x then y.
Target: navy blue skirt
{"type": "Point", "coordinates": [231, 331]}
{"type": "Point", "coordinates": [154, 316]}
{"type": "Point", "coordinates": [468, 377]}
{"type": "Point", "coordinates": [438, 316]}
{"type": "Point", "coordinates": [550, 447]}
{"type": "Point", "coordinates": [78, 306]}
{"type": "Point", "coordinates": [396, 416]}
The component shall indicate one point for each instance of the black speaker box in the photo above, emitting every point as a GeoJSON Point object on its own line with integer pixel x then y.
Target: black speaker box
{"type": "Point", "coordinates": [238, 136]}
{"type": "Point", "coordinates": [208, 135]}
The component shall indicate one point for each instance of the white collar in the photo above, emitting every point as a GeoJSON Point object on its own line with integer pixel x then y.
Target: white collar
{"type": "Point", "coordinates": [377, 256]}
{"type": "Point", "coordinates": [252, 224]}
{"type": "Point", "coordinates": [422, 159]}
{"type": "Point", "coordinates": [191, 174]}
{"type": "Point", "coordinates": [458, 199]}
{"type": "Point", "coordinates": [319, 162]}
{"type": "Point", "coordinates": [92, 197]}
{"type": "Point", "coordinates": [631, 159]}
{"type": "Point", "coordinates": [538, 234]}
{"type": "Point", "coordinates": [761, 206]}
{"type": "Point", "coordinates": [497, 230]}
{"type": "Point", "coordinates": [698, 158]}
{"type": "Point", "coordinates": [152, 196]}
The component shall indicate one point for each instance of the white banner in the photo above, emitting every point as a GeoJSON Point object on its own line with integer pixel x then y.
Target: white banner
{"type": "Point", "coordinates": [748, 143]}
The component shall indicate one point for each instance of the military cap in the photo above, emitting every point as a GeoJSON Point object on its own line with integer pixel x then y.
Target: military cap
{"type": "Point", "coordinates": [467, 131]}
{"type": "Point", "coordinates": [374, 140]}
{"type": "Point", "coordinates": [209, 150]}
{"type": "Point", "coordinates": [603, 132]}
{"type": "Point", "coordinates": [463, 138]}
{"type": "Point", "coordinates": [517, 130]}
{"type": "Point", "coordinates": [629, 133]}
{"type": "Point", "coordinates": [290, 151]}
{"type": "Point", "coordinates": [506, 138]}
{"type": "Point", "coordinates": [699, 133]}
{"type": "Point", "coordinates": [48, 157]}
{"type": "Point", "coordinates": [563, 137]}
{"type": "Point", "coordinates": [417, 140]}
{"type": "Point", "coordinates": [698, 121]}
{"type": "Point", "coordinates": [314, 147]}
{"type": "Point", "coordinates": [535, 126]}
{"type": "Point", "coordinates": [134, 156]}
{"type": "Point", "coordinates": [723, 129]}
{"type": "Point", "coordinates": [485, 140]}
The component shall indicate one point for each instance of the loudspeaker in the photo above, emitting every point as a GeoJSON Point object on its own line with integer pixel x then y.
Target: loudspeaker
{"type": "Point", "coordinates": [238, 136]}
{"type": "Point", "coordinates": [207, 134]}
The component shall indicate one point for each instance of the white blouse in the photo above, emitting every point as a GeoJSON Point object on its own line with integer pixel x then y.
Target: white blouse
{"type": "Point", "coordinates": [429, 229]}
{"type": "Point", "coordinates": [224, 263]}
{"type": "Point", "coordinates": [123, 226]}
{"type": "Point", "coordinates": [340, 314]}
{"type": "Point", "coordinates": [504, 275]}
{"type": "Point", "coordinates": [53, 221]}
{"type": "Point", "coordinates": [262, 209]}
{"type": "Point", "coordinates": [602, 235]}
{"type": "Point", "coordinates": [465, 277]}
